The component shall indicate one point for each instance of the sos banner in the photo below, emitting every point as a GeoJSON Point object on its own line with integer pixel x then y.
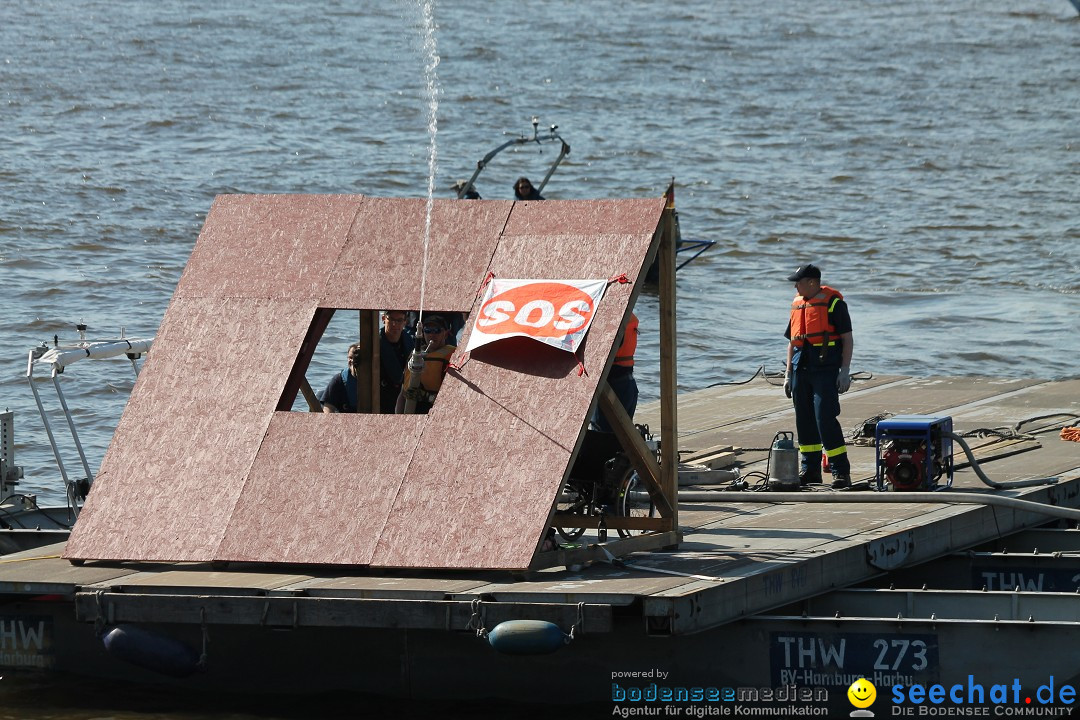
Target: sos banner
{"type": "Point", "coordinates": [555, 312]}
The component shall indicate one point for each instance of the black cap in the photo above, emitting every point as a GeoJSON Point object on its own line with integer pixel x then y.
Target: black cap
{"type": "Point", "coordinates": [437, 320]}
{"type": "Point", "coordinates": [805, 271]}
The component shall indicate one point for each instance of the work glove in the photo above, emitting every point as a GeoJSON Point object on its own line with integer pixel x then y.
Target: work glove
{"type": "Point", "coordinates": [843, 380]}
{"type": "Point", "coordinates": [787, 383]}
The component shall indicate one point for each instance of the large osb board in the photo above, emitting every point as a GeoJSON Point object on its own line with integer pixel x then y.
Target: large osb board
{"type": "Point", "coordinates": [269, 245]}
{"type": "Point", "coordinates": [515, 415]}
{"type": "Point", "coordinates": [382, 263]}
{"type": "Point", "coordinates": [344, 470]}
{"type": "Point", "coordinates": [190, 431]}
{"type": "Point", "coordinates": [469, 485]}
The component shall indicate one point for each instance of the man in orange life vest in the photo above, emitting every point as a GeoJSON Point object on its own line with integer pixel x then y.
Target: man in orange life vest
{"type": "Point", "coordinates": [436, 330]}
{"type": "Point", "coordinates": [621, 378]}
{"type": "Point", "coordinates": [818, 370]}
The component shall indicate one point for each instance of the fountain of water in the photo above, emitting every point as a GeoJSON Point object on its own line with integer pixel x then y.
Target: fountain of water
{"type": "Point", "coordinates": [431, 92]}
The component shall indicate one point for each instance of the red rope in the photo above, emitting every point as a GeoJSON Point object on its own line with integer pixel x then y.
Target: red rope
{"type": "Point", "coordinates": [581, 367]}
{"type": "Point", "coordinates": [457, 366]}
{"type": "Point", "coordinates": [487, 278]}
{"type": "Point", "coordinates": [620, 278]}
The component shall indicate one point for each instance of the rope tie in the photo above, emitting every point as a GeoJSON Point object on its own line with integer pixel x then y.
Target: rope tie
{"type": "Point", "coordinates": [620, 278]}
{"type": "Point", "coordinates": [99, 621]}
{"type": "Point", "coordinates": [579, 624]}
{"type": "Point", "coordinates": [476, 622]}
{"type": "Point", "coordinates": [464, 358]}
{"type": "Point", "coordinates": [483, 285]}
{"type": "Point", "coordinates": [201, 664]}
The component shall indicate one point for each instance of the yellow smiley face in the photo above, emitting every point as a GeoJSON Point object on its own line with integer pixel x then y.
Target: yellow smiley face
{"type": "Point", "coordinates": [862, 693]}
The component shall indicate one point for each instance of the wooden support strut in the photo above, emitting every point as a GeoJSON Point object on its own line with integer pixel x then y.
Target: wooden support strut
{"type": "Point", "coordinates": [367, 376]}
{"type": "Point", "coordinates": [309, 395]}
{"type": "Point", "coordinates": [636, 450]}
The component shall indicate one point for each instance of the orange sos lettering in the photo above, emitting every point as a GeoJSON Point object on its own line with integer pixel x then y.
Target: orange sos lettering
{"type": "Point", "coordinates": [543, 309]}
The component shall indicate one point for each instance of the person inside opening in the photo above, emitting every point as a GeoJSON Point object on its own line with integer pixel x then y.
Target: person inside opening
{"type": "Point", "coordinates": [621, 378]}
{"type": "Point", "coordinates": [340, 393]}
{"type": "Point", "coordinates": [524, 190]}
{"type": "Point", "coordinates": [436, 331]}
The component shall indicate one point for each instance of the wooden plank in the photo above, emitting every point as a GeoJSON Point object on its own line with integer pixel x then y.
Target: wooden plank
{"type": "Point", "coordinates": [300, 612]}
{"type": "Point", "coordinates": [698, 455]}
{"type": "Point", "coordinates": [310, 397]}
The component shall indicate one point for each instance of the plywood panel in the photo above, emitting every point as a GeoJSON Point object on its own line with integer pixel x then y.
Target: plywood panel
{"type": "Point", "coordinates": [584, 218]}
{"type": "Point", "coordinates": [381, 266]}
{"type": "Point", "coordinates": [201, 468]}
{"type": "Point", "coordinates": [501, 435]}
{"type": "Point", "coordinates": [481, 483]}
{"type": "Point", "coordinates": [320, 488]}
{"type": "Point", "coordinates": [269, 246]}
{"type": "Point", "coordinates": [189, 433]}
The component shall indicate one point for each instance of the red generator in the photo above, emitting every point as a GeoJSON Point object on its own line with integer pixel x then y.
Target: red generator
{"type": "Point", "coordinates": [914, 452]}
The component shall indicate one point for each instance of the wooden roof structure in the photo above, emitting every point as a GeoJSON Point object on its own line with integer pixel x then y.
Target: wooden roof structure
{"type": "Point", "coordinates": [209, 464]}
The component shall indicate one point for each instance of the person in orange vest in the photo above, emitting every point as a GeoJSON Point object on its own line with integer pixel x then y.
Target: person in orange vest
{"type": "Point", "coordinates": [621, 378]}
{"type": "Point", "coordinates": [818, 370]}
{"type": "Point", "coordinates": [436, 330]}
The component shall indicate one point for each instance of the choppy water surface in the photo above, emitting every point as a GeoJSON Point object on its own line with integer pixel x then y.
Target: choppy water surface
{"type": "Point", "coordinates": [926, 154]}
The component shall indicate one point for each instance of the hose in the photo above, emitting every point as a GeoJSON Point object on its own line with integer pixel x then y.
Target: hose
{"type": "Point", "coordinates": [416, 366]}
{"type": "Point", "coordinates": [982, 476]}
{"type": "Point", "coordinates": [875, 497]}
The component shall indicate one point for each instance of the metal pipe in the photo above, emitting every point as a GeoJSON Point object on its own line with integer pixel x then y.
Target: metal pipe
{"type": "Point", "coordinates": [563, 151]}
{"type": "Point", "coordinates": [71, 425]}
{"type": "Point", "coordinates": [939, 498]}
{"type": "Point", "coordinates": [45, 421]}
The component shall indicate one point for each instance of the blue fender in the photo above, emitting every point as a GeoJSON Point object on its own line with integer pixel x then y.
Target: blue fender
{"type": "Point", "coordinates": [527, 637]}
{"type": "Point", "coordinates": [151, 651]}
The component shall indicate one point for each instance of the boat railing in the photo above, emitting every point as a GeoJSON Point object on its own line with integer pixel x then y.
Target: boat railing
{"type": "Point", "coordinates": [58, 357]}
{"type": "Point", "coordinates": [550, 136]}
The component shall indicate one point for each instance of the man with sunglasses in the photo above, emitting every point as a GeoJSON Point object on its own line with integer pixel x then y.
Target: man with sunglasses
{"type": "Point", "coordinates": [436, 331]}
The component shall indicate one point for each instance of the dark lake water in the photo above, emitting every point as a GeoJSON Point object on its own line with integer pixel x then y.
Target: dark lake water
{"type": "Point", "coordinates": [925, 154]}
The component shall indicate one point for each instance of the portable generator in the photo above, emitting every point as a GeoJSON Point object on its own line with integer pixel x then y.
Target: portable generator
{"type": "Point", "coordinates": [914, 452]}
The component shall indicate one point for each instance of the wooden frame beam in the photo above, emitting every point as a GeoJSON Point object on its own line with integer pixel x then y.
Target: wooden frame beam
{"type": "Point", "coordinates": [634, 446]}
{"type": "Point", "coordinates": [669, 387]}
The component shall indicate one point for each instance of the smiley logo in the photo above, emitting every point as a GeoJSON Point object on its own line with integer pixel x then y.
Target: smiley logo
{"type": "Point", "coordinates": [862, 693]}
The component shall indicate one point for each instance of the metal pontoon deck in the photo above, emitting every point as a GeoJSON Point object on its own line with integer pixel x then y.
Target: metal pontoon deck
{"type": "Point", "coordinates": [758, 594]}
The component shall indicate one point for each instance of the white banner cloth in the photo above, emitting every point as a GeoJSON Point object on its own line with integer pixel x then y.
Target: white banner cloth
{"type": "Point", "coordinates": [554, 312]}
